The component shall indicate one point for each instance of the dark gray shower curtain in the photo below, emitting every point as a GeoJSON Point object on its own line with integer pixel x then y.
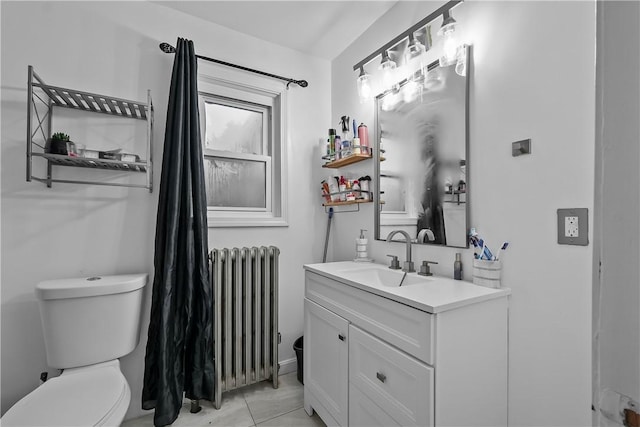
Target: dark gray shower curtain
{"type": "Point", "coordinates": [179, 354]}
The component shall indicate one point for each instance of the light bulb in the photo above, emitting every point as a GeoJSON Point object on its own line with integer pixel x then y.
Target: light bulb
{"type": "Point", "coordinates": [388, 67]}
{"type": "Point", "coordinates": [461, 64]}
{"type": "Point", "coordinates": [390, 100]}
{"type": "Point", "coordinates": [411, 90]}
{"type": "Point", "coordinates": [414, 59]}
{"type": "Point", "coordinates": [449, 41]}
{"type": "Point", "coordinates": [364, 86]}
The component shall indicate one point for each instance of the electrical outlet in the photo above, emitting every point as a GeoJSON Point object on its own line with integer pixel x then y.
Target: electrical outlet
{"type": "Point", "coordinates": [573, 226]}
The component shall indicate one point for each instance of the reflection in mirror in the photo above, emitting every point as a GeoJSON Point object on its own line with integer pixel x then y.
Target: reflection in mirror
{"type": "Point", "coordinates": [421, 178]}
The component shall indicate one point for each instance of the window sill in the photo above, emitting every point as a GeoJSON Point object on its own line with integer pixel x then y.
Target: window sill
{"type": "Point", "coordinates": [228, 222]}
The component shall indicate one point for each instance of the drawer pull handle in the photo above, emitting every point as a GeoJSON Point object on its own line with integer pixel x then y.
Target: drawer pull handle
{"type": "Point", "coordinates": [342, 337]}
{"type": "Point", "coordinates": [381, 377]}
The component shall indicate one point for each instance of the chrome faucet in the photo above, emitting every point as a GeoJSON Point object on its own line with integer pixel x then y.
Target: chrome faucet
{"type": "Point", "coordinates": [408, 264]}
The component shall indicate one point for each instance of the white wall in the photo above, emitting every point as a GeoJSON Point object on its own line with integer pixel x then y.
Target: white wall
{"type": "Point", "coordinates": [617, 241]}
{"type": "Point", "coordinates": [533, 77]}
{"type": "Point", "coordinates": [74, 230]}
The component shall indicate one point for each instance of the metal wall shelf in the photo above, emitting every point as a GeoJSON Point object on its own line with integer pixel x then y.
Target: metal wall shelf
{"type": "Point", "coordinates": [39, 130]}
{"type": "Point", "coordinates": [84, 162]}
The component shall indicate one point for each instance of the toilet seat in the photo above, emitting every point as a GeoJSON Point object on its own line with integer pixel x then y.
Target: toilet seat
{"type": "Point", "coordinates": [90, 396]}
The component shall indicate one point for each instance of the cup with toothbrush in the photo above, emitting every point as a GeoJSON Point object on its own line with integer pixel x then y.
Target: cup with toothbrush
{"type": "Point", "coordinates": [487, 267]}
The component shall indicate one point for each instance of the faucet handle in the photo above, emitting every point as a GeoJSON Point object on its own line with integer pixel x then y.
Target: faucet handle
{"type": "Point", "coordinates": [424, 268]}
{"type": "Point", "coordinates": [395, 264]}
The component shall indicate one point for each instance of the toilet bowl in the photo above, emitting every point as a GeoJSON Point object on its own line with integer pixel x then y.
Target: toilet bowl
{"type": "Point", "coordinates": [88, 323]}
{"type": "Point", "coordinates": [96, 395]}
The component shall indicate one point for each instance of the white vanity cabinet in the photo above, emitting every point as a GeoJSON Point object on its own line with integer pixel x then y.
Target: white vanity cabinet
{"type": "Point", "coordinates": [326, 358]}
{"type": "Point", "coordinates": [386, 357]}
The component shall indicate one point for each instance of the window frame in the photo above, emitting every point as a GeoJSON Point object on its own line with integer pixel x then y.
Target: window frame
{"type": "Point", "coordinates": [220, 83]}
{"type": "Point", "coordinates": [265, 158]}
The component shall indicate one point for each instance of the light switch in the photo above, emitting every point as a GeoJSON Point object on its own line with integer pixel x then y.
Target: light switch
{"type": "Point", "coordinates": [573, 226]}
{"type": "Point", "coordinates": [519, 148]}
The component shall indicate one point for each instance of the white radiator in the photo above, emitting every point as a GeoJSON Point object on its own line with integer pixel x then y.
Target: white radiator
{"type": "Point", "coordinates": [245, 316]}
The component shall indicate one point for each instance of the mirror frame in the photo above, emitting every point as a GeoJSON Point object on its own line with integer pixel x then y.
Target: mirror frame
{"type": "Point", "coordinates": [376, 156]}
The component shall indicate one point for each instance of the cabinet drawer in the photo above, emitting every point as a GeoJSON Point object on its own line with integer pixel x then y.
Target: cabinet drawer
{"type": "Point", "coordinates": [399, 384]}
{"type": "Point", "coordinates": [363, 412]}
{"type": "Point", "coordinates": [405, 327]}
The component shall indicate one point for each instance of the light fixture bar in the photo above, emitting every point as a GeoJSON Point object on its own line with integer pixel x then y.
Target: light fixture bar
{"type": "Point", "coordinates": [441, 10]}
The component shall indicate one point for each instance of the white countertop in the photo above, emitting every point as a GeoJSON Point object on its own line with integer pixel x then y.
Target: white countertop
{"type": "Point", "coordinates": [432, 294]}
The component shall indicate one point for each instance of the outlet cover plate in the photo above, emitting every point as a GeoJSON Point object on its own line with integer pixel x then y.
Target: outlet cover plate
{"type": "Point", "coordinates": [573, 226]}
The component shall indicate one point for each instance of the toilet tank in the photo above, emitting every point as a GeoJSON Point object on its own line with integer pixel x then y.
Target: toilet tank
{"type": "Point", "coordinates": [90, 320]}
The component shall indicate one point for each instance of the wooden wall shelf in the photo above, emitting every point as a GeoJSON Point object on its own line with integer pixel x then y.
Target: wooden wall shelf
{"type": "Point", "coordinates": [353, 158]}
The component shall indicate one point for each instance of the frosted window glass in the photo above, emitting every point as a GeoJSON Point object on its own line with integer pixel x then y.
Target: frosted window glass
{"type": "Point", "coordinates": [235, 182]}
{"type": "Point", "coordinates": [393, 193]}
{"type": "Point", "coordinates": [233, 129]}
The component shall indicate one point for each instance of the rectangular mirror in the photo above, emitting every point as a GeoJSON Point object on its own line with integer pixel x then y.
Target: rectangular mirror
{"type": "Point", "coordinates": [421, 141]}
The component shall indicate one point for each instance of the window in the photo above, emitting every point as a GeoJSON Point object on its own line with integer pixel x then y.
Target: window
{"type": "Point", "coordinates": [244, 152]}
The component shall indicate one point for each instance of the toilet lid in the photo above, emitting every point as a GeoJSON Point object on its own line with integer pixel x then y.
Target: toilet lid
{"type": "Point", "coordinates": [84, 398]}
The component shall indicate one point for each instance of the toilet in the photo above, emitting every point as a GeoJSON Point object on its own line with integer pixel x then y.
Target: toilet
{"type": "Point", "coordinates": [88, 323]}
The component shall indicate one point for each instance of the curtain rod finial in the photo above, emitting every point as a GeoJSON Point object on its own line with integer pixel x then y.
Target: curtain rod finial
{"type": "Point", "coordinates": [167, 48]}
{"type": "Point", "coordinates": [301, 83]}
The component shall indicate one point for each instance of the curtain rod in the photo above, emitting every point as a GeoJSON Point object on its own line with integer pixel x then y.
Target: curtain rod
{"type": "Point", "coordinates": [167, 48]}
{"type": "Point", "coordinates": [442, 9]}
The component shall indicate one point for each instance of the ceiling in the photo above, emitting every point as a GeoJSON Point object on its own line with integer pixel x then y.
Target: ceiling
{"type": "Point", "coordinates": [319, 28]}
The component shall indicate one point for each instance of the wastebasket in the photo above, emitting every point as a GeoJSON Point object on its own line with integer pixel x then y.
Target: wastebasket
{"type": "Point", "coordinates": [298, 348]}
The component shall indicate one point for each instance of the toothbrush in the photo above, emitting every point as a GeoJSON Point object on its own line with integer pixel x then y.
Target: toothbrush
{"type": "Point", "coordinates": [355, 129]}
{"type": "Point", "coordinates": [486, 253]}
{"type": "Point", "coordinates": [503, 247]}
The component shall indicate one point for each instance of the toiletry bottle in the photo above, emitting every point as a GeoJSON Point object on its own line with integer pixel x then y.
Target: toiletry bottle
{"type": "Point", "coordinates": [361, 247]}
{"type": "Point", "coordinates": [346, 148]}
{"type": "Point", "coordinates": [350, 194]}
{"type": "Point", "coordinates": [356, 189]}
{"type": "Point", "coordinates": [344, 125]}
{"type": "Point", "coordinates": [364, 187]}
{"type": "Point", "coordinates": [355, 143]}
{"type": "Point", "coordinates": [457, 267]}
{"type": "Point", "coordinates": [334, 189]}
{"type": "Point", "coordinates": [332, 144]}
{"type": "Point", "coordinates": [338, 143]}
{"type": "Point", "coordinates": [343, 189]}
{"type": "Point", "coordinates": [326, 191]}
{"type": "Point", "coordinates": [363, 134]}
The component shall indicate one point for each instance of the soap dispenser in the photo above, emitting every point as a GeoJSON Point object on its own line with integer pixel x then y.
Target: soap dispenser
{"type": "Point", "coordinates": [457, 267]}
{"type": "Point", "coordinates": [361, 248]}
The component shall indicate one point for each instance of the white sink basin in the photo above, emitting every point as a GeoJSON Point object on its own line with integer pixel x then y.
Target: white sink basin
{"type": "Point", "coordinates": [432, 294]}
{"type": "Point", "coordinates": [373, 275]}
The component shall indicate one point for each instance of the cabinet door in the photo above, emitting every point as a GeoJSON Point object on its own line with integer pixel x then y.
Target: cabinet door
{"type": "Point", "coordinates": [326, 360]}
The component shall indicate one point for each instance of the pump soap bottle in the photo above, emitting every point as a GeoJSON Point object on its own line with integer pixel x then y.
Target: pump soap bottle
{"type": "Point", "coordinates": [361, 248]}
{"type": "Point", "coordinates": [457, 267]}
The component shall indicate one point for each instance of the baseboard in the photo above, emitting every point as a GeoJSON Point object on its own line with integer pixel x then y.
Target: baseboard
{"type": "Point", "coordinates": [288, 366]}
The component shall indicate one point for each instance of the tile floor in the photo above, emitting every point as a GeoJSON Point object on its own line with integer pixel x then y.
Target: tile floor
{"type": "Point", "coordinates": [256, 405]}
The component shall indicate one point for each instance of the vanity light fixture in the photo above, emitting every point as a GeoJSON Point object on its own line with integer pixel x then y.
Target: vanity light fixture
{"type": "Point", "coordinates": [364, 86]}
{"type": "Point", "coordinates": [391, 79]}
